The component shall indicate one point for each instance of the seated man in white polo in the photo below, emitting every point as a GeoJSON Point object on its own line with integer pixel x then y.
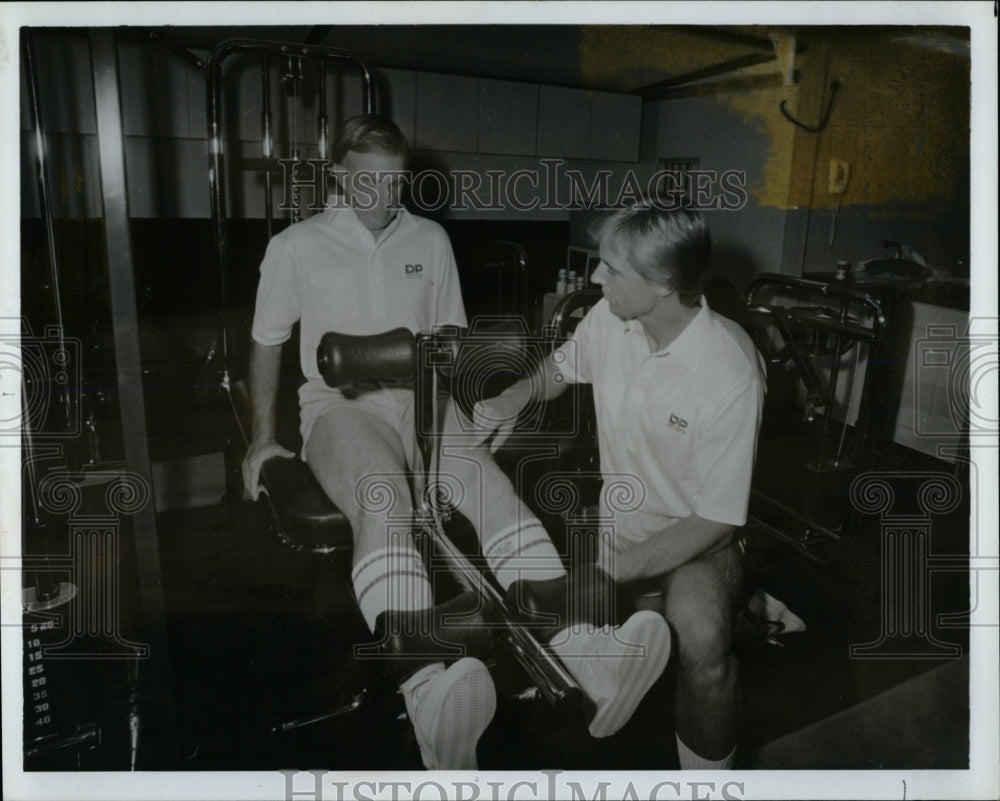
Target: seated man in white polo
{"type": "Point", "coordinates": [344, 270]}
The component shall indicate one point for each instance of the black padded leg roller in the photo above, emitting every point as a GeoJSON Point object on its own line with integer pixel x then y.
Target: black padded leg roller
{"type": "Point", "coordinates": [409, 641]}
{"type": "Point", "coordinates": [585, 595]}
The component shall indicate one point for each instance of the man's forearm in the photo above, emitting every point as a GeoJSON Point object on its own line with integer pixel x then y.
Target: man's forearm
{"type": "Point", "coordinates": [546, 383]}
{"type": "Point", "coordinates": [669, 549]}
{"type": "Point", "coordinates": [265, 368]}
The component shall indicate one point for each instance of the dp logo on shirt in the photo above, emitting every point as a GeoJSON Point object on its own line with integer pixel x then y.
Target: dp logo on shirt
{"type": "Point", "coordinates": [414, 271]}
{"type": "Point", "coordinates": [678, 424]}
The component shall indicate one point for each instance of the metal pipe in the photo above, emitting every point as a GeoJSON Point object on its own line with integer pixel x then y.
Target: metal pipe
{"type": "Point", "coordinates": [553, 680]}
{"type": "Point", "coordinates": [267, 143]}
{"type": "Point", "coordinates": [46, 582]}
{"type": "Point", "coordinates": [216, 150]}
{"type": "Point", "coordinates": [520, 275]}
{"type": "Point", "coordinates": [661, 89]}
{"type": "Point", "coordinates": [420, 406]}
{"type": "Point", "coordinates": [217, 192]}
{"type": "Point", "coordinates": [28, 457]}
{"type": "Point", "coordinates": [322, 120]}
{"type": "Point", "coordinates": [41, 173]}
{"type": "Point", "coordinates": [883, 313]}
{"type": "Point", "coordinates": [121, 275]}
{"type": "Point", "coordinates": [570, 303]}
{"type": "Point", "coordinates": [291, 119]}
{"type": "Point", "coordinates": [87, 736]}
{"type": "Point", "coordinates": [36, 530]}
{"type": "Point", "coordinates": [838, 459]}
{"type": "Point", "coordinates": [819, 287]}
{"type": "Point", "coordinates": [831, 393]}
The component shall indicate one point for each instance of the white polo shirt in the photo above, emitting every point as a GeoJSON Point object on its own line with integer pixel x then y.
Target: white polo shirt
{"type": "Point", "coordinates": [682, 420]}
{"type": "Point", "coordinates": [329, 273]}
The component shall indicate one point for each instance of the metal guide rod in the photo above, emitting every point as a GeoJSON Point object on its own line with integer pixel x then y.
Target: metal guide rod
{"type": "Point", "coordinates": [553, 680]}
{"type": "Point", "coordinates": [111, 149]}
{"type": "Point", "coordinates": [217, 192]}
{"type": "Point", "coordinates": [882, 310]}
{"type": "Point", "coordinates": [818, 287]}
{"type": "Point", "coordinates": [28, 459]}
{"type": "Point", "coordinates": [41, 174]}
{"type": "Point", "coordinates": [41, 170]}
{"type": "Point", "coordinates": [267, 138]}
{"type": "Point", "coordinates": [322, 120]}
{"type": "Point", "coordinates": [217, 136]}
{"type": "Point", "coordinates": [831, 397]}
{"type": "Point", "coordinates": [46, 582]}
{"type": "Point", "coordinates": [850, 389]}
{"type": "Point", "coordinates": [570, 303]}
{"type": "Point", "coordinates": [292, 80]}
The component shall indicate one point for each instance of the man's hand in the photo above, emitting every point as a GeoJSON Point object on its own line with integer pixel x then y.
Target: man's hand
{"type": "Point", "coordinates": [258, 453]}
{"type": "Point", "coordinates": [497, 417]}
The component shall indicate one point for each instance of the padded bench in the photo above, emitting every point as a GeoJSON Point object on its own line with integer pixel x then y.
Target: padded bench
{"type": "Point", "coordinates": [302, 515]}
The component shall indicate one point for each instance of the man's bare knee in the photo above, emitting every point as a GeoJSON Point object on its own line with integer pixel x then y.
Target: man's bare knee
{"type": "Point", "coordinates": [703, 636]}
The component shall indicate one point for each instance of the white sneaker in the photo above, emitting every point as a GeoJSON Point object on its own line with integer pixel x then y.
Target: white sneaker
{"type": "Point", "coordinates": [616, 667]}
{"type": "Point", "coordinates": [450, 709]}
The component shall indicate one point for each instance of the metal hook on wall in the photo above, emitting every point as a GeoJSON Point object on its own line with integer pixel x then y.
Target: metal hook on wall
{"type": "Point", "coordinates": [834, 88]}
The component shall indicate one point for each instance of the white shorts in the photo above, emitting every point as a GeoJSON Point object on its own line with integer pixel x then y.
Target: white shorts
{"type": "Point", "coordinates": [628, 529]}
{"type": "Point", "coordinates": [391, 405]}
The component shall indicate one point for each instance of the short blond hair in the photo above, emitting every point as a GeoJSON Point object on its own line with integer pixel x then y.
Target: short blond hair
{"type": "Point", "coordinates": [369, 133]}
{"type": "Point", "coordinates": [671, 247]}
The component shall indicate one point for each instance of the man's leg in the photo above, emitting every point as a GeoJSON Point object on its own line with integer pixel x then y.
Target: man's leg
{"type": "Point", "coordinates": [514, 542]}
{"type": "Point", "coordinates": [359, 461]}
{"type": "Point", "coordinates": [614, 666]}
{"type": "Point", "coordinates": [701, 599]}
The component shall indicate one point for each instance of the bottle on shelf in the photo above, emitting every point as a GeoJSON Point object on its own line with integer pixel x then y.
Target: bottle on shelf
{"type": "Point", "coordinates": [561, 283]}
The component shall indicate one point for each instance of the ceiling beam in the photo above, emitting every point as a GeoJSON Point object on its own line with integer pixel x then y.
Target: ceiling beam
{"type": "Point", "coordinates": [725, 36]}
{"type": "Point", "coordinates": [661, 89]}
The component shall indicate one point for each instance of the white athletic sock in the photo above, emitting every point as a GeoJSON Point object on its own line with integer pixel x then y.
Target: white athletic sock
{"type": "Point", "coordinates": [391, 578]}
{"type": "Point", "coordinates": [691, 761]}
{"type": "Point", "coordinates": [522, 551]}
